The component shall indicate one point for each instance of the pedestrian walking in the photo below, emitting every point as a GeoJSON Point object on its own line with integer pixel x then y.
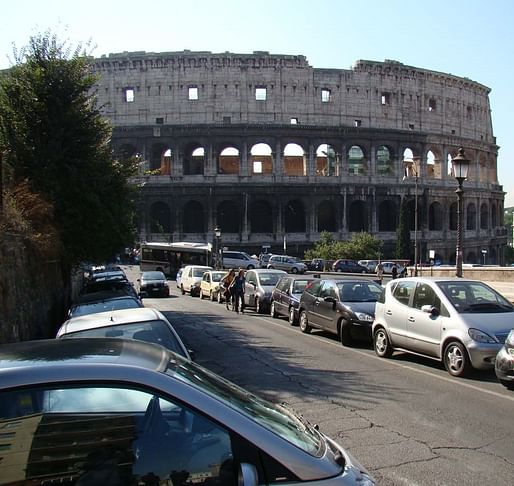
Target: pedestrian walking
{"type": "Point", "coordinates": [380, 273]}
{"type": "Point", "coordinates": [394, 271]}
{"type": "Point", "coordinates": [238, 291]}
{"type": "Point", "coordinates": [225, 284]}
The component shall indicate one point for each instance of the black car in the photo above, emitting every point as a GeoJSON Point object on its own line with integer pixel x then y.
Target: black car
{"type": "Point", "coordinates": [348, 266]}
{"type": "Point", "coordinates": [345, 307]}
{"type": "Point", "coordinates": [285, 298]}
{"type": "Point", "coordinates": [153, 284]}
{"type": "Point", "coordinates": [103, 301]}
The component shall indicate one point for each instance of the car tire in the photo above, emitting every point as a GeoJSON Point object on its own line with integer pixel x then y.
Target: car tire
{"type": "Point", "coordinates": [182, 290]}
{"type": "Point", "coordinates": [381, 343]}
{"type": "Point", "coordinates": [201, 295]}
{"type": "Point", "coordinates": [211, 296]}
{"type": "Point", "coordinates": [294, 270]}
{"type": "Point", "coordinates": [456, 360]}
{"type": "Point", "coordinates": [304, 323]}
{"type": "Point", "coordinates": [250, 267]}
{"type": "Point", "coordinates": [272, 310]}
{"type": "Point", "coordinates": [258, 306]}
{"type": "Point", "coordinates": [291, 316]}
{"type": "Point", "coordinates": [345, 335]}
{"type": "Point", "coordinates": [339, 270]}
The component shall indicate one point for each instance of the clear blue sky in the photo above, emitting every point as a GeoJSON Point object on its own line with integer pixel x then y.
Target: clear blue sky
{"type": "Point", "coordinates": [469, 38]}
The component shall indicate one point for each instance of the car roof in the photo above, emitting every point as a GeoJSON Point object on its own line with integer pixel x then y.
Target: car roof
{"type": "Point", "coordinates": [437, 279]}
{"type": "Point", "coordinates": [110, 318]}
{"type": "Point", "coordinates": [102, 296]}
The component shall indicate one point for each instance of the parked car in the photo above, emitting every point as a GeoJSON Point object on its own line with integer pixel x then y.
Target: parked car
{"type": "Point", "coordinates": [210, 284]}
{"type": "Point", "coordinates": [264, 259]}
{"type": "Point", "coordinates": [462, 323]}
{"type": "Point", "coordinates": [153, 284]}
{"type": "Point", "coordinates": [388, 267]}
{"type": "Point", "coordinates": [259, 286]}
{"type": "Point", "coordinates": [95, 302]}
{"type": "Point", "coordinates": [285, 297]}
{"type": "Point", "coordinates": [348, 266]}
{"type": "Point", "coordinates": [110, 285]}
{"type": "Point", "coordinates": [504, 363]}
{"type": "Point", "coordinates": [345, 307]}
{"type": "Point", "coordinates": [114, 411]}
{"type": "Point", "coordinates": [239, 259]}
{"type": "Point", "coordinates": [144, 324]}
{"type": "Point", "coordinates": [370, 265]}
{"type": "Point", "coordinates": [287, 263]}
{"type": "Point", "coordinates": [191, 279]}
{"type": "Point", "coordinates": [317, 264]}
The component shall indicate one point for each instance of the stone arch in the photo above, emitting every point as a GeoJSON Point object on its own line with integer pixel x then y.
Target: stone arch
{"type": "Point", "coordinates": [358, 216]}
{"type": "Point", "coordinates": [193, 217]}
{"type": "Point", "coordinates": [471, 216]}
{"type": "Point", "coordinates": [295, 160]}
{"type": "Point", "coordinates": [435, 217]}
{"type": "Point", "coordinates": [194, 160]}
{"type": "Point", "coordinates": [433, 164]}
{"type": "Point", "coordinates": [160, 158]}
{"type": "Point", "coordinates": [385, 161]}
{"type": "Point", "coordinates": [326, 216]}
{"type": "Point", "coordinates": [261, 217]}
{"type": "Point", "coordinates": [452, 216]}
{"type": "Point", "coordinates": [387, 216]}
{"type": "Point", "coordinates": [160, 218]}
{"type": "Point", "coordinates": [357, 162]}
{"type": "Point", "coordinates": [228, 217]}
{"type": "Point", "coordinates": [229, 160]}
{"type": "Point", "coordinates": [484, 216]}
{"type": "Point", "coordinates": [294, 216]}
{"type": "Point", "coordinates": [261, 159]}
{"type": "Point", "coordinates": [327, 161]}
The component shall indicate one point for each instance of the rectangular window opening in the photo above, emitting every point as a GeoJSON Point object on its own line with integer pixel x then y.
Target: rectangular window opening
{"type": "Point", "coordinates": [159, 121]}
{"type": "Point", "coordinates": [193, 92]}
{"type": "Point", "coordinates": [431, 105]}
{"type": "Point", "coordinates": [385, 99]}
{"type": "Point", "coordinates": [325, 95]}
{"type": "Point", "coordinates": [357, 123]}
{"type": "Point", "coordinates": [129, 95]}
{"type": "Point", "coordinates": [227, 120]}
{"type": "Point", "coordinates": [260, 94]}
{"type": "Point", "coordinates": [294, 121]}
{"type": "Point", "coordinates": [411, 126]}
{"type": "Point", "coordinates": [257, 167]}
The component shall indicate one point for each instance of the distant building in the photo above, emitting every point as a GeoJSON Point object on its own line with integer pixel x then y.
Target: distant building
{"type": "Point", "coordinates": [270, 149]}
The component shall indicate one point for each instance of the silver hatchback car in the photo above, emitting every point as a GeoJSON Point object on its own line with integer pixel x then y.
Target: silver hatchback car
{"type": "Point", "coordinates": [462, 323]}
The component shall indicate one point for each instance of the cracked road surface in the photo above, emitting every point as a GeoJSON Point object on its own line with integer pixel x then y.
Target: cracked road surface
{"type": "Point", "coordinates": [405, 418]}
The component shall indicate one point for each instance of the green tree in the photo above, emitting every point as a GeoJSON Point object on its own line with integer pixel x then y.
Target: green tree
{"type": "Point", "coordinates": [57, 140]}
{"type": "Point", "coordinates": [360, 246]}
{"type": "Point", "coordinates": [403, 243]}
{"type": "Point", "coordinates": [363, 246]}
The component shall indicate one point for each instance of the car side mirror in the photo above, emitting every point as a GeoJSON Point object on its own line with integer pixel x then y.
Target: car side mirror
{"type": "Point", "coordinates": [247, 475]}
{"type": "Point", "coordinates": [430, 309]}
{"type": "Point", "coordinates": [330, 299]}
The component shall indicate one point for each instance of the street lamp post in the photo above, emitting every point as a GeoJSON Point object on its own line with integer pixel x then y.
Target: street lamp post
{"type": "Point", "coordinates": [219, 259]}
{"type": "Point", "coordinates": [412, 170]}
{"type": "Point", "coordinates": [460, 172]}
{"type": "Point", "coordinates": [484, 254]}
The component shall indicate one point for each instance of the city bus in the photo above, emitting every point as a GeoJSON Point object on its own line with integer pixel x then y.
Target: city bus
{"type": "Point", "coordinates": [169, 257]}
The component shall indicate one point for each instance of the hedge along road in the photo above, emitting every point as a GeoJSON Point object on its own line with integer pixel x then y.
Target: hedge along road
{"type": "Point", "coordinates": [405, 418]}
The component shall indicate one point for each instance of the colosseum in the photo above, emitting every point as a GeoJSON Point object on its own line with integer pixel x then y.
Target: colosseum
{"type": "Point", "coordinates": [274, 151]}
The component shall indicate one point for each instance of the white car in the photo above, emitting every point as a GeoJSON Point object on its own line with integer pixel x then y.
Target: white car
{"type": "Point", "coordinates": [210, 284]}
{"type": "Point", "coordinates": [191, 279]}
{"type": "Point", "coordinates": [388, 267]}
{"type": "Point", "coordinates": [239, 259]}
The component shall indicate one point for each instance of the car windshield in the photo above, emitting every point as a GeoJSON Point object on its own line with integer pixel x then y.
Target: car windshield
{"type": "Point", "coordinates": [359, 291]}
{"type": "Point", "coordinates": [299, 286]}
{"type": "Point", "coordinates": [474, 297]}
{"type": "Point", "coordinates": [269, 278]}
{"type": "Point", "coordinates": [154, 276]}
{"type": "Point", "coordinates": [273, 417]}
{"type": "Point", "coordinates": [198, 272]}
{"type": "Point", "coordinates": [104, 306]}
{"type": "Point", "coordinates": [157, 332]}
{"type": "Point", "coordinates": [217, 276]}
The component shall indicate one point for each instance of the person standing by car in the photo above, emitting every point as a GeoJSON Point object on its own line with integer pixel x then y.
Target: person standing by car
{"type": "Point", "coordinates": [226, 283]}
{"type": "Point", "coordinates": [380, 273]}
{"type": "Point", "coordinates": [394, 272]}
{"type": "Point", "coordinates": [238, 291]}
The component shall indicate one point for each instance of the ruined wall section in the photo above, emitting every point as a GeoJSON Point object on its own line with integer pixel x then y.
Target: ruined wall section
{"type": "Point", "coordinates": [382, 95]}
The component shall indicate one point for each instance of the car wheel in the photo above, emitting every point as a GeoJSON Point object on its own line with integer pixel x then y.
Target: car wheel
{"type": "Point", "coordinates": [344, 334]}
{"type": "Point", "coordinates": [273, 311]}
{"type": "Point", "coordinates": [271, 267]}
{"type": "Point", "coordinates": [294, 270]}
{"type": "Point", "coordinates": [250, 267]}
{"type": "Point", "coordinates": [258, 306]}
{"type": "Point", "coordinates": [292, 318]}
{"type": "Point", "coordinates": [182, 290]}
{"type": "Point", "coordinates": [304, 323]}
{"type": "Point", "coordinates": [456, 359]}
{"type": "Point", "coordinates": [201, 295]}
{"type": "Point", "coordinates": [211, 296]}
{"type": "Point", "coordinates": [381, 343]}
{"type": "Point", "coordinates": [339, 270]}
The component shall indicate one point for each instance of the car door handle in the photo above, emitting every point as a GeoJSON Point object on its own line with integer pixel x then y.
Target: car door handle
{"type": "Point", "coordinates": [389, 313]}
{"type": "Point", "coordinates": [411, 319]}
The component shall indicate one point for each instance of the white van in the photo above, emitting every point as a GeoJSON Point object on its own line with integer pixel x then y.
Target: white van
{"type": "Point", "coordinates": [192, 278]}
{"type": "Point", "coordinates": [239, 259]}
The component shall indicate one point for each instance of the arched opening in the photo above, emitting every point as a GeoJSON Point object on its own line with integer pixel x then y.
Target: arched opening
{"type": "Point", "coordinates": [194, 161]}
{"type": "Point", "coordinates": [484, 220]}
{"type": "Point", "coordinates": [229, 161]}
{"type": "Point", "coordinates": [295, 161]}
{"type": "Point", "coordinates": [228, 217]}
{"type": "Point", "coordinates": [387, 217]}
{"type": "Point", "coordinates": [358, 216]}
{"type": "Point", "coordinates": [357, 164]}
{"type": "Point", "coordinates": [435, 217]}
{"type": "Point", "coordinates": [261, 159]}
{"type": "Point", "coordinates": [261, 217]}
{"type": "Point", "coordinates": [160, 218]}
{"type": "Point", "coordinates": [294, 217]}
{"type": "Point", "coordinates": [433, 166]}
{"type": "Point", "coordinates": [326, 216]}
{"type": "Point", "coordinates": [471, 217]}
{"type": "Point", "coordinates": [327, 161]}
{"type": "Point", "coordinates": [453, 219]}
{"type": "Point", "coordinates": [385, 164]}
{"type": "Point", "coordinates": [193, 218]}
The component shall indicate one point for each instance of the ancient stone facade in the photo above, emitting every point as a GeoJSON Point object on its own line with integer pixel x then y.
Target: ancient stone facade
{"type": "Point", "coordinates": [271, 149]}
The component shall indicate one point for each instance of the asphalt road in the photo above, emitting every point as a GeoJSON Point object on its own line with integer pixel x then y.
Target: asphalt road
{"type": "Point", "coordinates": [405, 418]}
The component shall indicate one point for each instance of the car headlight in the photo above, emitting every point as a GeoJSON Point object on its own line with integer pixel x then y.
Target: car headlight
{"type": "Point", "coordinates": [364, 317]}
{"type": "Point", "coordinates": [480, 336]}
